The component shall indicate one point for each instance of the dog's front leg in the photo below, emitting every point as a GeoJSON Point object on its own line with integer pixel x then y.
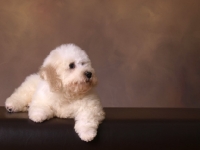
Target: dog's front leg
{"type": "Point", "coordinates": [40, 113]}
{"type": "Point", "coordinates": [86, 129]}
{"type": "Point", "coordinates": [41, 106]}
{"type": "Point", "coordinates": [87, 122]}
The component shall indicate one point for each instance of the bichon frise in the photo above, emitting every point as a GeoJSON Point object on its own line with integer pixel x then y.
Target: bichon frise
{"type": "Point", "coordinates": [62, 88]}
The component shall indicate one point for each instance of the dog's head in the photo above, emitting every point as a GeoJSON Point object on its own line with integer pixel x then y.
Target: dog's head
{"type": "Point", "coordinates": [68, 70]}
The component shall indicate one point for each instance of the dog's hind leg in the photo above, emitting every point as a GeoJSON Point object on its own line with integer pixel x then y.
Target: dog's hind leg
{"type": "Point", "coordinates": [22, 96]}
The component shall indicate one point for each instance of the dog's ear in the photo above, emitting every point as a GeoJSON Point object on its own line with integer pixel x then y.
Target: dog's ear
{"type": "Point", "coordinates": [49, 74]}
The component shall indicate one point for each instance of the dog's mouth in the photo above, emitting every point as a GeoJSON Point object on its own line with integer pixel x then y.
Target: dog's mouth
{"type": "Point", "coordinates": [90, 82]}
{"type": "Point", "coordinates": [87, 80]}
{"type": "Point", "coordinates": [78, 88]}
{"type": "Point", "coordinates": [83, 82]}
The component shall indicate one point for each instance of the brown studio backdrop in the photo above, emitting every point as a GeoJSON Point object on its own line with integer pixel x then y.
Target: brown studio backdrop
{"type": "Point", "coordinates": [146, 53]}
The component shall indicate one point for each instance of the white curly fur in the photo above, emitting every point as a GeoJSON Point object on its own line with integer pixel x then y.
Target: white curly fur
{"type": "Point", "coordinates": [59, 90]}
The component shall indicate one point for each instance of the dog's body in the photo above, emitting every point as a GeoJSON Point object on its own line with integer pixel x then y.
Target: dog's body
{"type": "Point", "coordinates": [63, 88]}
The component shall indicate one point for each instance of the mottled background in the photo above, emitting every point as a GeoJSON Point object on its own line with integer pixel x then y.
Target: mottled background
{"type": "Point", "coordinates": [146, 52]}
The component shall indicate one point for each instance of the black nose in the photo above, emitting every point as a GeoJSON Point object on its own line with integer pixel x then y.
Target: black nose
{"type": "Point", "coordinates": [88, 74]}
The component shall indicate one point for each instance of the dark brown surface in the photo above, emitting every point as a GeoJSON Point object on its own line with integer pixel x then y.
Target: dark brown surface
{"type": "Point", "coordinates": [146, 53]}
{"type": "Point", "coordinates": [123, 128]}
{"type": "Point", "coordinates": [129, 114]}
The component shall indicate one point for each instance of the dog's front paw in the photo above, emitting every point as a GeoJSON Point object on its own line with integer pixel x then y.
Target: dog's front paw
{"type": "Point", "coordinates": [86, 133]}
{"type": "Point", "coordinates": [37, 116]}
{"type": "Point", "coordinates": [87, 136]}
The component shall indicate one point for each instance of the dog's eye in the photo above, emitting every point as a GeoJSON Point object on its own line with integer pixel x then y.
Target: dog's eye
{"type": "Point", "coordinates": [71, 65]}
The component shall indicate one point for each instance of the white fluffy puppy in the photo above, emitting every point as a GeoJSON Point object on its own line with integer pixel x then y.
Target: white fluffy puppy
{"type": "Point", "coordinates": [62, 88]}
